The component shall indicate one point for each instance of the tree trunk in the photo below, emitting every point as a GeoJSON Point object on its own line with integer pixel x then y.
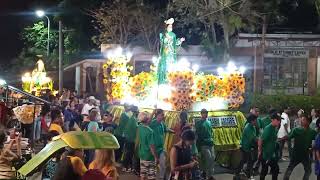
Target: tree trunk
{"type": "Point", "coordinates": [225, 25]}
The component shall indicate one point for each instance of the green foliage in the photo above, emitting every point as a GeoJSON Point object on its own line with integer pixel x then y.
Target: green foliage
{"type": "Point", "coordinates": [126, 22]}
{"type": "Point", "coordinates": [35, 44]}
{"type": "Point", "coordinates": [279, 102]}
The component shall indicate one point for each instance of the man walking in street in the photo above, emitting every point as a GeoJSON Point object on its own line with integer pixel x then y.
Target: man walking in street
{"type": "Point", "coordinates": [160, 129]}
{"type": "Point", "coordinates": [147, 151]}
{"type": "Point", "coordinates": [248, 142]}
{"type": "Point", "coordinates": [205, 143]}
{"type": "Point", "coordinates": [303, 137]}
{"type": "Point", "coordinates": [267, 148]}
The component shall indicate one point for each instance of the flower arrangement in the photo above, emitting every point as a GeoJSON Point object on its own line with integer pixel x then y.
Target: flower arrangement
{"type": "Point", "coordinates": [116, 77]}
{"type": "Point", "coordinates": [181, 95]}
{"type": "Point", "coordinates": [141, 84]}
{"type": "Point", "coordinates": [204, 86]}
{"type": "Point", "coordinates": [236, 88]}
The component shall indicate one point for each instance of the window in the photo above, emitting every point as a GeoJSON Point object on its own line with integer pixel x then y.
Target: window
{"type": "Point", "coordinates": [280, 72]}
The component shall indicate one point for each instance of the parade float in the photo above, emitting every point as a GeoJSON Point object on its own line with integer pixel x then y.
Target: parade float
{"type": "Point", "coordinates": [174, 86]}
{"type": "Point", "coordinates": [37, 81]}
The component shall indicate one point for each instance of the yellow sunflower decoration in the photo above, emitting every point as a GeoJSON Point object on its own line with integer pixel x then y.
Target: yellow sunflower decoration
{"type": "Point", "coordinates": [141, 84]}
{"type": "Point", "coordinates": [181, 95]}
{"type": "Point", "coordinates": [116, 77]}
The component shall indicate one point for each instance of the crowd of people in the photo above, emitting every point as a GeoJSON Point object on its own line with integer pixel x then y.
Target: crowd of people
{"type": "Point", "coordinates": [141, 136]}
{"type": "Point", "coordinates": [263, 141]}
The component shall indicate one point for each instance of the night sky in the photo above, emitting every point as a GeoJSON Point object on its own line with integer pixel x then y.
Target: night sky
{"type": "Point", "coordinates": [16, 14]}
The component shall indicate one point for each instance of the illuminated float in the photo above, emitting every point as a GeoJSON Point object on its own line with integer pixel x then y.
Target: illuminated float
{"type": "Point", "coordinates": [174, 86]}
{"type": "Point", "coordinates": [37, 81]}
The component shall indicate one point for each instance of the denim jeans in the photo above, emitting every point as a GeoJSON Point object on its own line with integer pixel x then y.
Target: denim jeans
{"type": "Point", "coordinates": [37, 129]}
{"type": "Point", "coordinates": [281, 146]}
{"type": "Point", "coordinates": [306, 162]}
{"type": "Point", "coordinates": [162, 163]}
{"type": "Point", "coordinates": [207, 155]}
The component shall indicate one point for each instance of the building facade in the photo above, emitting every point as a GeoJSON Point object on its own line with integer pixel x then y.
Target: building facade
{"type": "Point", "coordinates": [284, 63]}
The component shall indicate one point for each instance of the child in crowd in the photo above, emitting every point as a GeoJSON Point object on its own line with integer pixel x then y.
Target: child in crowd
{"type": "Point", "coordinates": [108, 125]}
{"type": "Point", "coordinates": [104, 161]}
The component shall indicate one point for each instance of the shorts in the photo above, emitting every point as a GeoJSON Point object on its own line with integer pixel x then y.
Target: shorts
{"type": "Point", "coordinates": [148, 169]}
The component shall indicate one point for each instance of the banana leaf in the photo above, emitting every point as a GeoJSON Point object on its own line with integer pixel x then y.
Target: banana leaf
{"type": "Point", "coordinates": [75, 140]}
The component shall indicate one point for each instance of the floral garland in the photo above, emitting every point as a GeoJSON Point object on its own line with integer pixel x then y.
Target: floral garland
{"type": "Point", "coordinates": [181, 96]}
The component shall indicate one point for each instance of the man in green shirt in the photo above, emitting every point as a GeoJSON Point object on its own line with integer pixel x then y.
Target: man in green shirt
{"type": "Point", "coordinates": [248, 142]}
{"type": "Point", "coordinates": [130, 132]}
{"type": "Point", "coordinates": [159, 130]}
{"type": "Point", "coordinates": [267, 148]}
{"type": "Point", "coordinates": [124, 118]}
{"type": "Point", "coordinates": [147, 151]}
{"type": "Point", "coordinates": [303, 137]}
{"type": "Point", "coordinates": [205, 142]}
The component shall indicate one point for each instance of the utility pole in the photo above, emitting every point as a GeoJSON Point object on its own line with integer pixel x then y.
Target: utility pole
{"type": "Point", "coordinates": [60, 57]}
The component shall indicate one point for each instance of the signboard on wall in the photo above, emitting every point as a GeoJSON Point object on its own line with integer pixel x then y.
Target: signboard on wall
{"type": "Point", "coordinates": [286, 53]}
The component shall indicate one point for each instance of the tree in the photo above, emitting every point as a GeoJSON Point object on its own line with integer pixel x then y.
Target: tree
{"type": "Point", "coordinates": [127, 23]}
{"type": "Point", "coordinates": [213, 17]}
{"type": "Point", "coordinates": [35, 44]}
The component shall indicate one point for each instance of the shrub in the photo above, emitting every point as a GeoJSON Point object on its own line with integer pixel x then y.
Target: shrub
{"type": "Point", "coordinates": [279, 102]}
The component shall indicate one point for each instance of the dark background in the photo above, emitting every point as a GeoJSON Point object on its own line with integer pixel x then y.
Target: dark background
{"type": "Point", "coordinates": [17, 14]}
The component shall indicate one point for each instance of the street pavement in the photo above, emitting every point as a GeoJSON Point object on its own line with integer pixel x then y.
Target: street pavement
{"type": "Point", "coordinates": [225, 174]}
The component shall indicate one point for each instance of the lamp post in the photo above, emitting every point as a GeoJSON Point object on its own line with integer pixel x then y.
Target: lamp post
{"type": "Point", "coordinates": [41, 13]}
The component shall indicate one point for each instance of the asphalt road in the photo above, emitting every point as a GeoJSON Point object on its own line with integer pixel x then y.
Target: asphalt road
{"type": "Point", "coordinates": [297, 174]}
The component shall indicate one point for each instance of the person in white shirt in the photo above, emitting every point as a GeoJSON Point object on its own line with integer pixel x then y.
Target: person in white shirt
{"type": "Point", "coordinates": [315, 119]}
{"type": "Point", "coordinates": [284, 130]}
{"type": "Point", "coordinates": [88, 106]}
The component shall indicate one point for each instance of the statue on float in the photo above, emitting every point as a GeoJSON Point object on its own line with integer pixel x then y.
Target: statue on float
{"type": "Point", "coordinates": [169, 45]}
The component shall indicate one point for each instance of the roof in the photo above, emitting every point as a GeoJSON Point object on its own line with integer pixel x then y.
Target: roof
{"type": "Point", "coordinates": [280, 36]}
{"type": "Point", "coordinates": [84, 61]}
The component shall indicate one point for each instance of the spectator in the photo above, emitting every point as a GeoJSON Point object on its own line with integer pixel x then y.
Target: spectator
{"type": "Point", "coordinates": [160, 129]}
{"type": "Point", "coordinates": [297, 122]}
{"type": "Point", "coordinates": [147, 151]}
{"type": "Point", "coordinates": [284, 131]}
{"type": "Point", "coordinates": [315, 119]}
{"type": "Point", "coordinates": [205, 143]}
{"type": "Point", "coordinates": [56, 121]}
{"type": "Point", "coordinates": [71, 166]}
{"type": "Point", "coordinates": [108, 125]}
{"type": "Point", "coordinates": [183, 122]}
{"type": "Point", "coordinates": [40, 124]}
{"type": "Point", "coordinates": [93, 125]}
{"type": "Point", "coordinates": [7, 156]}
{"type": "Point", "coordinates": [88, 106]}
{"type": "Point", "coordinates": [105, 162]}
{"type": "Point", "coordinates": [94, 174]}
{"type": "Point", "coordinates": [181, 161]}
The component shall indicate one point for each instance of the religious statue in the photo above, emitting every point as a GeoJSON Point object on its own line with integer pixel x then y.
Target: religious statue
{"type": "Point", "coordinates": [168, 51]}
